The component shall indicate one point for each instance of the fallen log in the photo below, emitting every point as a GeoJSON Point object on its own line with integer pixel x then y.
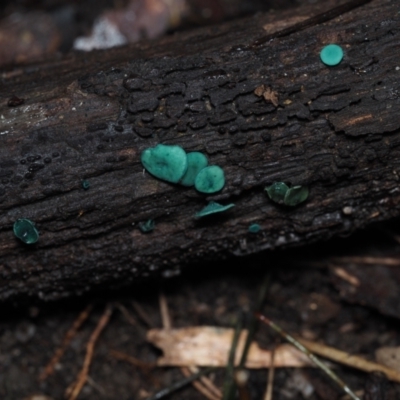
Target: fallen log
{"type": "Point", "coordinates": [263, 110]}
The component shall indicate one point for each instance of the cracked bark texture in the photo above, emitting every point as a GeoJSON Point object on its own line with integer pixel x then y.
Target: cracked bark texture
{"type": "Point", "coordinates": [89, 116]}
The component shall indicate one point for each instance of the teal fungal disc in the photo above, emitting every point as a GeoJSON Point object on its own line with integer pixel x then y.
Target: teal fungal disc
{"type": "Point", "coordinates": [196, 162]}
{"type": "Point", "coordinates": [86, 184]}
{"type": "Point", "coordinates": [147, 226]}
{"type": "Point", "coordinates": [168, 163]}
{"type": "Point", "coordinates": [331, 55]}
{"type": "Point", "coordinates": [210, 179]}
{"type": "Point", "coordinates": [213, 208]}
{"type": "Point", "coordinates": [277, 191]}
{"type": "Point", "coordinates": [254, 228]}
{"type": "Point", "coordinates": [296, 195]}
{"type": "Point", "coordinates": [25, 230]}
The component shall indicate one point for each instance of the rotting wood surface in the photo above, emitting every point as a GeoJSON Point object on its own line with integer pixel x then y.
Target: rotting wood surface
{"type": "Point", "coordinates": [90, 116]}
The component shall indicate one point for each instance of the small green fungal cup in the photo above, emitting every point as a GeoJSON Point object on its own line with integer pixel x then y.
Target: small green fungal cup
{"type": "Point", "coordinates": [166, 162]}
{"type": "Point", "coordinates": [277, 191]}
{"type": "Point", "coordinates": [296, 195]}
{"type": "Point", "coordinates": [85, 184]}
{"type": "Point", "coordinates": [196, 162]}
{"type": "Point", "coordinates": [25, 230]}
{"type": "Point", "coordinates": [210, 179]}
{"type": "Point", "coordinates": [213, 208]}
{"type": "Point", "coordinates": [147, 226]}
{"type": "Point", "coordinates": [331, 55]}
{"type": "Point", "coordinates": [254, 228]}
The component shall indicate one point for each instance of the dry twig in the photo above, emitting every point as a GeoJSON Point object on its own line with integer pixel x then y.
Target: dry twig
{"type": "Point", "coordinates": [146, 366]}
{"type": "Point", "coordinates": [271, 374]}
{"type": "Point", "coordinates": [347, 359]}
{"type": "Point", "coordinates": [206, 389]}
{"type": "Point", "coordinates": [126, 314]}
{"type": "Point", "coordinates": [82, 317]}
{"type": "Point", "coordinates": [312, 357]}
{"type": "Point", "coordinates": [73, 390]}
{"type": "Point", "coordinates": [142, 314]}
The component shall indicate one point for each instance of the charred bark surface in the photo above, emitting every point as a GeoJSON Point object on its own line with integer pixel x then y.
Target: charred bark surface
{"type": "Point", "coordinates": [336, 130]}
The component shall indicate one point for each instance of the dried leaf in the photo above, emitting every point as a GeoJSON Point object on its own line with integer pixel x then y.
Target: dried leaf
{"type": "Point", "coordinates": [209, 346]}
{"type": "Point", "coordinates": [389, 356]}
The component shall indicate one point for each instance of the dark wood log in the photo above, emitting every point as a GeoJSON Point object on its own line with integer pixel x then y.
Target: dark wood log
{"type": "Point", "coordinates": [89, 116]}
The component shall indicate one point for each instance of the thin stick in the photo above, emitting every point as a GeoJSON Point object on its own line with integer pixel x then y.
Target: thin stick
{"type": "Point", "coordinates": [132, 360]}
{"type": "Point", "coordinates": [198, 384]}
{"type": "Point", "coordinates": [178, 385]}
{"type": "Point", "coordinates": [229, 383]}
{"type": "Point", "coordinates": [262, 294]}
{"type": "Point", "coordinates": [350, 360]}
{"type": "Point", "coordinates": [317, 19]}
{"type": "Point", "coordinates": [142, 314]}
{"type": "Point", "coordinates": [71, 333]}
{"type": "Point", "coordinates": [82, 377]}
{"type": "Point", "coordinates": [271, 374]}
{"type": "Point", "coordinates": [242, 380]}
{"type": "Point", "coordinates": [387, 261]}
{"type": "Point", "coordinates": [126, 314]}
{"type": "Point", "coordinates": [164, 311]}
{"type": "Point", "coordinates": [208, 383]}
{"type": "Point", "coordinates": [311, 356]}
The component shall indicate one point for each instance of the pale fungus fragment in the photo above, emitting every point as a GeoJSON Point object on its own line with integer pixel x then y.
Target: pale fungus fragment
{"type": "Point", "coordinates": [213, 208]}
{"type": "Point", "coordinates": [268, 94]}
{"type": "Point", "coordinates": [25, 230]}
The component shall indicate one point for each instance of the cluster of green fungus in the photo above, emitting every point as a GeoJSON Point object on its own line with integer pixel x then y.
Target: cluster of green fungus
{"type": "Point", "coordinates": [213, 208]}
{"type": "Point", "coordinates": [25, 230]}
{"type": "Point", "coordinates": [147, 226]}
{"type": "Point", "coordinates": [281, 193]}
{"type": "Point", "coordinates": [171, 163]}
{"type": "Point", "coordinates": [331, 55]}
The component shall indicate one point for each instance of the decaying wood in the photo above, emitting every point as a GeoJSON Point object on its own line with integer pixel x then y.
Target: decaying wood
{"type": "Point", "coordinates": [90, 116]}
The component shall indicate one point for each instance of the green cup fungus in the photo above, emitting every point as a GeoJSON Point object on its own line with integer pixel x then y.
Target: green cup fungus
{"type": "Point", "coordinates": [254, 228]}
{"type": "Point", "coordinates": [210, 179]}
{"type": "Point", "coordinates": [196, 162]}
{"type": "Point", "coordinates": [296, 195]}
{"type": "Point", "coordinates": [212, 208]}
{"type": "Point", "coordinates": [147, 226]}
{"type": "Point", "coordinates": [165, 162]}
{"type": "Point", "coordinates": [171, 163]}
{"type": "Point", "coordinates": [86, 184]}
{"type": "Point", "coordinates": [277, 191]}
{"type": "Point", "coordinates": [25, 230]}
{"type": "Point", "coordinates": [331, 55]}
{"type": "Point", "coordinates": [280, 193]}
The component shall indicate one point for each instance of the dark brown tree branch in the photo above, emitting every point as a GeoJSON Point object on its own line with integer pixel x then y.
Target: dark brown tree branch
{"type": "Point", "coordinates": [89, 116]}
